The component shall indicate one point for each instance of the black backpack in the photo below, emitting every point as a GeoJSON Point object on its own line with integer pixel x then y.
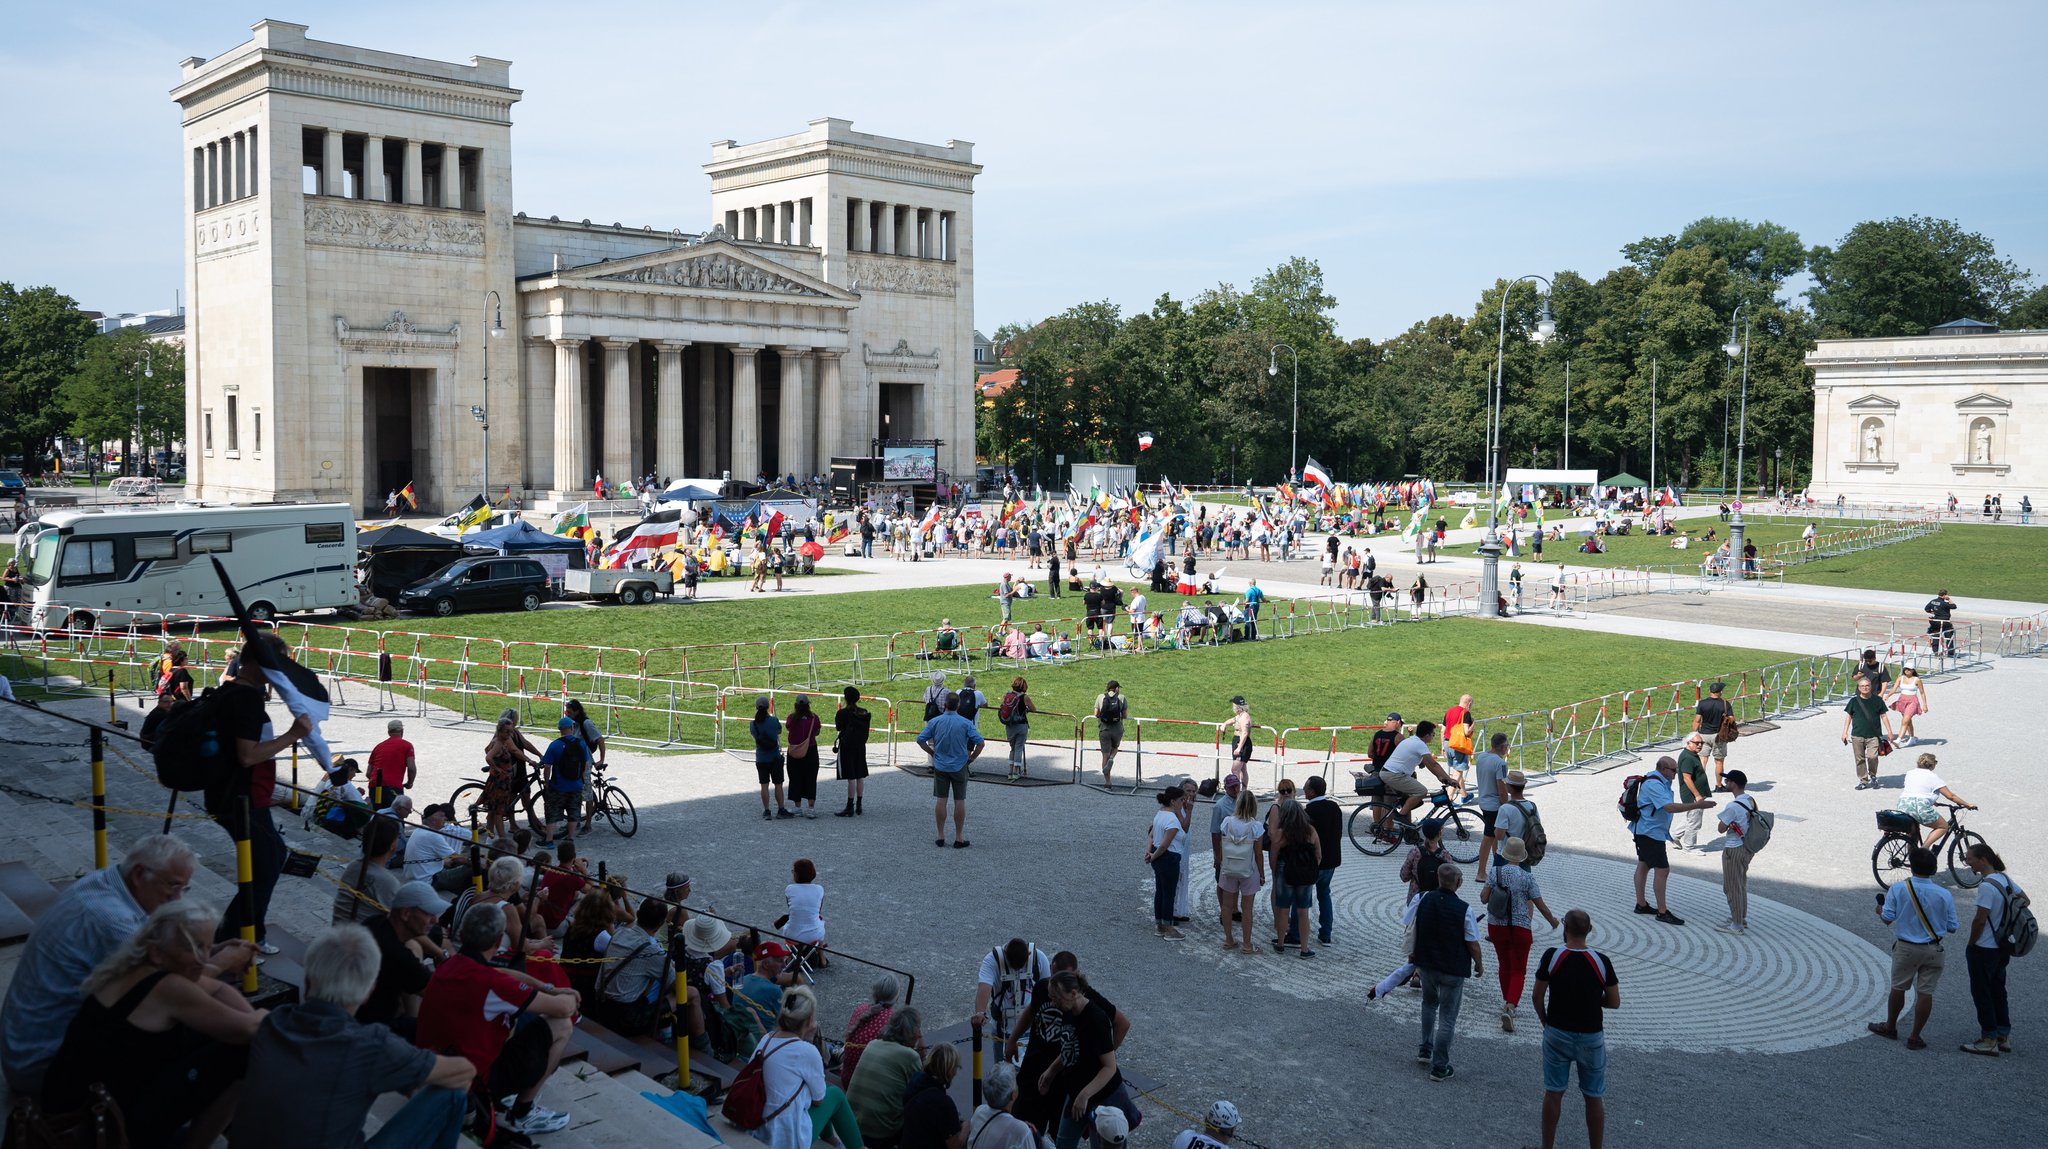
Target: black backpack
{"type": "Point", "coordinates": [969, 704]}
{"type": "Point", "coordinates": [188, 745]}
{"type": "Point", "coordinates": [1112, 708]}
{"type": "Point", "coordinates": [1630, 807]}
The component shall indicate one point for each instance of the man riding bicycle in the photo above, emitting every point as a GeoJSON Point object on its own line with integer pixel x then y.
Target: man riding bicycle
{"type": "Point", "coordinates": [1401, 767]}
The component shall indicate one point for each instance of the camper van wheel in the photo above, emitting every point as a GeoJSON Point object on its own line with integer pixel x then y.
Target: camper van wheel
{"type": "Point", "coordinates": [260, 611]}
{"type": "Point", "coordinates": [444, 607]}
{"type": "Point", "coordinates": [531, 601]}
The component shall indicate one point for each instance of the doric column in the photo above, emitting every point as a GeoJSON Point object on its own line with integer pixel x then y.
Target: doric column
{"type": "Point", "coordinates": [669, 460]}
{"type": "Point", "coordinates": [793, 454]}
{"type": "Point", "coordinates": [537, 400]}
{"type": "Point", "coordinates": [832, 422]}
{"type": "Point", "coordinates": [618, 410]}
{"type": "Point", "coordinates": [857, 233]}
{"type": "Point", "coordinates": [451, 176]}
{"type": "Point", "coordinates": [414, 179]}
{"type": "Point", "coordinates": [373, 169]}
{"type": "Point", "coordinates": [332, 180]}
{"type": "Point", "coordinates": [805, 221]}
{"type": "Point", "coordinates": [746, 412]}
{"type": "Point", "coordinates": [707, 409]}
{"type": "Point", "coordinates": [952, 219]}
{"type": "Point", "coordinates": [885, 228]}
{"type": "Point", "coordinates": [572, 462]}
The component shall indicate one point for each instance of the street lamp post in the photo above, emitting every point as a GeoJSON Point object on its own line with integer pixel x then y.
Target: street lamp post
{"type": "Point", "coordinates": [1567, 414]}
{"type": "Point", "coordinates": [1489, 551]}
{"type": "Point", "coordinates": [1273, 369]}
{"type": "Point", "coordinates": [148, 372]}
{"type": "Point", "coordinates": [1735, 540]}
{"type": "Point", "coordinates": [1653, 424]}
{"type": "Point", "coordinates": [494, 326]}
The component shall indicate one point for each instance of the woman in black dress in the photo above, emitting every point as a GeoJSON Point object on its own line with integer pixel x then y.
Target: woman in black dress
{"type": "Point", "coordinates": [852, 724]}
{"type": "Point", "coordinates": [803, 728]}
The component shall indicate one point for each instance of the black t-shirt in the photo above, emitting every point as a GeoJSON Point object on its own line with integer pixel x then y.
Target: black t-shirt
{"type": "Point", "coordinates": [398, 973]}
{"type": "Point", "coordinates": [1383, 743]}
{"type": "Point", "coordinates": [1578, 988]}
{"type": "Point", "coordinates": [1094, 1034]}
{"type": "Point", "coordinates": [178, 684]}
{"type": "Point", "coordinates": [1328, 818]}
{"type": "Point", "coordinates": [241, 711]}
{"type": "Point", "coordinates": [929, 1116]}
{"type": "Point", "coordinates": [853, 723]}
{"type": "Point", "coordinates": [1711, 712]}
{"type": "Point", "coordinates": [1092, 601]}
{"type": "Point", "coordinates": [1053, 1036]}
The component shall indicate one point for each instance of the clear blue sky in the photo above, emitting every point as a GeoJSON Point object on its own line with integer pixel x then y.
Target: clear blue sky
{"type": "Point", "coordinates": [1418, 151]}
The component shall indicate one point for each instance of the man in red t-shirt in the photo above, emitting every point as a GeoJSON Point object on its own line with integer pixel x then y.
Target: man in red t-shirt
{"type": "Point", "coordinates": [392, 766]}
{"type": "Point", "coordinates": [512, 1027]}
{"type": "Point", "coordinates": [558, 890]}
{"type": "Point", "coordinates": [1458, 738]}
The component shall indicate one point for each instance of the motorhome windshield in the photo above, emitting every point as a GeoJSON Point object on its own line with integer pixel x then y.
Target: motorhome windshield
{"type": "Point", "coordinates": [41, 560]}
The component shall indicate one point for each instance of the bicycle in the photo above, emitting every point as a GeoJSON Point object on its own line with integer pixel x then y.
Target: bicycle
{"type": "Point", "coordinates": [1888, 859]}
{"type": "Point", "coordinates": [1377, 825]}
{"type": "Point", "coordinates": [602, 797]}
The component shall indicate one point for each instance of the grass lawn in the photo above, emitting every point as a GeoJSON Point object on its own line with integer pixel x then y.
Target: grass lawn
{"type": "Point", "coordinates": [1971, 560]}
{"type": "Point", "coordinates": [1639, 550]}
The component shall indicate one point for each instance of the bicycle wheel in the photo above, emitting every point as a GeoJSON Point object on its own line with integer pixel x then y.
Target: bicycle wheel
{"type": "Point", "coordinates": [618, 810]}
{"type": "Point", "coordinates": [1888, 860]}
{"type": "Point", "coordinates": [1959, 845]}
{"type": "Point", "coordinates": [1361, 830]}
{"type": "Point", "coordinates": [1464, 831]}
{"type": "Point", "coordinates": [467, 797]}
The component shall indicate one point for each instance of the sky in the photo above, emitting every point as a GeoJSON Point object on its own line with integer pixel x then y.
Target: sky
{"type": "Point", "coordinates": [1417, 151]}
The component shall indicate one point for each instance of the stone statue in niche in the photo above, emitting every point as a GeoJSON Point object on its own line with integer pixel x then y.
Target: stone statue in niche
{"type": "Point", "coordinates": [1980, 444]}
{"type": "Point", "coordinates": [1873, 441]}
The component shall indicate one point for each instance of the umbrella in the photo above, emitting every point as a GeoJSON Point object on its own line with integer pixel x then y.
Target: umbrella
{"type": "Point", "coordinates": [811, 549]}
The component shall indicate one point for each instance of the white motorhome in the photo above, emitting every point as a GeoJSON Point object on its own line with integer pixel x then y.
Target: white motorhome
{"type": "Point", "coordinates": [105, 567]}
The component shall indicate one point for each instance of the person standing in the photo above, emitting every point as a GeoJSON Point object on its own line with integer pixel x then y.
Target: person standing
{"type": "Point", "coordinates": [1692, 786]}
{"type": "Point", "coordinates": [1510, 893]}
{"type": "Point", "coordinates": [1457, 735]}
{"type": "Point", "coordinates": [1240, 862]}
{"type": "Point", "coordinates": [766, 731]}
{"type": "Point", "coordinates": [1297, 857]}
{"type": "Point", "coordinates": [1920, 913]}
{"type": "Point", "coordinates": [954, 744]}
{"type": "Point", "coordinates": [1239, 726]}
{"type": "Point", "coordinates": [244, 719]}
{"type": "Point", "coordinates": [803, 756]}
{"type": "Point", "coordinates": [1254, 599]}
{"type": "Point", "coordinates": [1446, 954]}
{"type": "Point", "coordinates": [1710, 721]}
{"type": "Point", "coordinates": [1736, 818]}
{"type": "Point", "coordinates": [1006, 594]}
{"type": "Point", "coordinates": [1491, 782]}
{"type": "Point", "coordinates": [393, 765]}
{"type": "Point", "coordinates": [1384, 740]}
{"type": "Point", "coordinates": [1652, 830]}
{"type": "Point", "coordinates": [1940, 611]}
{"type": "Point", "coordinates": [1111, 707]}
{"type": "Point", "coordinates": [1986, 954]}
{"type": "Point", "coordinates": [1864, 721]}
{"type": "Point", "coordinates": [1165, 861]}
{"type": "Point", "coordinates": [1052, 567]}
{"type": "Point", "coordinates": [1574, 986]}
{"type": "Point", "coordinates": [1015, 712]}
{"type": "Point", "coordinates": [1328, 819]}
{"type": "Point", "coordinates": [850, 746]}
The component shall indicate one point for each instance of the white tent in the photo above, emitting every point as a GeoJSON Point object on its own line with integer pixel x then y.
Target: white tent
{"type": "Point", "coordinates": [1550, 477]}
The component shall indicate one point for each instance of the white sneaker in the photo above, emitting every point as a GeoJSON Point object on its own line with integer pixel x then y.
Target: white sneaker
{"type": "Point", "coordinates": [539, 1119]}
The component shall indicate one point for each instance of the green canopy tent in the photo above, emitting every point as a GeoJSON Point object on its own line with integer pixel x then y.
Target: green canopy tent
{"type": "Point", "coordinates": [1623, 480]}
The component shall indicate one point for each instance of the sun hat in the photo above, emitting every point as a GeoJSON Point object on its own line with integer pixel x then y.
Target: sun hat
{"type": "Point", "coordinates": [1514, 851]}
{"type": "Point", "coordinates": [706, 935]}
{"type": "Point", "coordinates": [1517, 778]}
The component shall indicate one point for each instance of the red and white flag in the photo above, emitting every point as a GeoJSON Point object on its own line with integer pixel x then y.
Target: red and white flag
{"type": "Point", "coordinates": [1144, 440]}
{"type": "Point", "coordinates": [654, 532]}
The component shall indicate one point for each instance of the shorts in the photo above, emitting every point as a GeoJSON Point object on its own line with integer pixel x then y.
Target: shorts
{"type": "Point", "coordinates": [1288, 897]}
{"type": "Point", "coordinates": [1717, 748]}
{"type": "Point", "coordinates": [1241, 750]}
{"type": "Point", "coordinates": [1457, 759]}
{"type": "Point", "coordinates": [1563, 1049]}
{"type": "Point", "coordinates": [523, 1059]}
{"type": "Point", "coordinates": [1919, 809]}
{"type": "Point", "coordinates": [1651, 852]}
{"type": "Point", "coordinates": [769, 771]}
{"type": "Point", "coordinates": [1486, 820]}
{"type": "Point", "coordinates": [954, 784]}
{"type": "Point", "coordinates": [563, 804]}
{"type": "Point", "coordinates": [1111, 736]}
{"type": "Point", "coordinates": [1248, 884]}
{"type": "Point", "coordinates": [1915, 965]}
{"type": "Point", "coordinates": [1406, 785]}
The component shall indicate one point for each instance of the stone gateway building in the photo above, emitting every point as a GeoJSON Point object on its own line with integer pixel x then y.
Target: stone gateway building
{"type": "Point", "coordinates": [1913, 419]}
{"type": "Point", "coordinates": [367, 309]}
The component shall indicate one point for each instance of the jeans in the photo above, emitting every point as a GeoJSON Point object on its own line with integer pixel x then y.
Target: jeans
{"type": "Point", "coordinates": [1165, 883]}
{"type": "Point", "coordinates": [266, 862]}
{"type": "Point", "coordinates": [832, 1114]}
{"type": "Point", "coordinates": [1442, 994]}
{"type": "Point", "coordinates": [431, 1120]}
{"type": "Point", "coordinates": [867, 548]}
{"type": "Point", "coordinates": [1987, 989]}
{"type": "Point", "coordinates": [1325, 912]}
{"type": "Point", "coordinates": [1068, 1132]}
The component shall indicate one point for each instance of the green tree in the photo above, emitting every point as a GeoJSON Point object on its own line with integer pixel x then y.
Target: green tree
{"type": "Point", "coordinates": [42, 339]}
{"type": "Point", "coordinates": [118, 372]}
{"type": "Point", "coordinates": [2031, 313]}
{"type": "Point", "coordinates": [1902, 276]}
{"type": "Point", "coordinates": [1765, 253]}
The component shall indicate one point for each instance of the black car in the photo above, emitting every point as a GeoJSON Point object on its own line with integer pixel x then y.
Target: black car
{"type": "Point", "coordinates": [482, 582]}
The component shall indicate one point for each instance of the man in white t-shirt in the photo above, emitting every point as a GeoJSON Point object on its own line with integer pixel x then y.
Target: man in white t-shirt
{"type": "Point", "coordinates": [1408, 757]}
{"type": "Point", "coordinates": [1003, 988]}
{"type": "Point", "coordinates": [1735, 854]}
{"type": "Point", "coordinates": [435, 850]}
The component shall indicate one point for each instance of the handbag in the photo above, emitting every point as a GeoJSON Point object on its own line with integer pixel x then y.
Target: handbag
{"type": "Point", "coordinates": [1884, 746]}
{"type": "Point", "coordinates": [97, 1126]}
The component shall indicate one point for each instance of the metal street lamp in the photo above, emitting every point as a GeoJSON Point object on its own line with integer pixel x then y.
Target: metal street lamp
{"type": "Point", "coordinates": [1489, 551]}
{"type": "Point", "coordinates": [1735, 540]}
{"type": "Point", "coordinates": [148, 372]}
{"type": "Point", "coordinates": [1273, 369]}
{"type": "Point", "coordinates": [494, 324]}
{"type": "Point", "coordinates": [1567, 414]}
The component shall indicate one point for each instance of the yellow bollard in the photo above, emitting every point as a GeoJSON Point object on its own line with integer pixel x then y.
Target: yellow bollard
{"type": "Point", "coordinates": [245, 883]}
{"type": "Point", "coordinates": [99, 799]}
{"type": "Point", "coordinates": [298, 800]}
{"type": "Point", "coordinates": [976, 1079]}
{"type": "Point", "coordinates": [682, 1029]}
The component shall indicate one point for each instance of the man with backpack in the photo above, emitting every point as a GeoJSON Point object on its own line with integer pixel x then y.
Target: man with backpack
{"type": "Point", "coordinates": [1110, 709]}
{"type": "Point", "coordinates": [1746, 832]}
{"type": "Point", "coordinates": [1648, 804]}
{"type": "Point", "coordinates": [243, 720]}
{"type": "Point", "coordinates": [1711, 721]}
{"type": "Point", "coordinates": [954, 744]}
{"type": "Point", "coordinates": [563, 766]}
{"type": "Point", "coordinates": [1518, 819]}
{"type": "Point", "coordinates": [2002, 928]}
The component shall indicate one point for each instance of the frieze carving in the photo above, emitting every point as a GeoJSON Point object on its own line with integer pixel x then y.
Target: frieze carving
{"type": "Point", "coordinates": [398, 333]}
{"type": "Point", "coordinates": [900, 357]}
{"type": "Point", "coordinates": [421, 231]}
{"type": "Point", "coordinates": [227, 229]}
{"type": "Point", "coordinates": [902, 275]}
{"type": "Point", "coordinates": [715, 271]}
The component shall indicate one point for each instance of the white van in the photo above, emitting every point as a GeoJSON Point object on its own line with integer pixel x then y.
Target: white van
{"type": "Point", "coordinates": [87, 567]}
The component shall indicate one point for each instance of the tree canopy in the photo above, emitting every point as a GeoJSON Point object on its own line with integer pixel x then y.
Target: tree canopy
{"type": "Point", "coordinates": [43, 337]}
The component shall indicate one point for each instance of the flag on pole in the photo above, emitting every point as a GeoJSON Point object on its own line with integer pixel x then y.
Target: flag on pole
{"type": "Point", "coordinates": [473, 512]}
{"type": "Point", "coordinates": [574, 522]}
{"type": "Point", "coordinates": [1470, 520]}
{"type": "Point", "coordinates": [1312, 472]}
{"type": "Point", "coordinates": [652, 533]}
{"type": "Point", "coordinates": [411, 499]}
{"type": "Point", "coordinates": [298, 688]}
{"type": "Point", "coordinates": [1669, 498]}
{"type": "Point", "coordinates": [1144, 440]}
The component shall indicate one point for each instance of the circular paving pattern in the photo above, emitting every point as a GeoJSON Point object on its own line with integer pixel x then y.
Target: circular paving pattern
{"type": "Point", "coordinates": [1793, 982]}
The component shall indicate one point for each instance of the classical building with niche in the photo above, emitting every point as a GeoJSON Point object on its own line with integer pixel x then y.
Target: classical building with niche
{"type": "Point", "coordinates": [352, 245]}
{"type": "Point", "coordinates": [1914, 419]}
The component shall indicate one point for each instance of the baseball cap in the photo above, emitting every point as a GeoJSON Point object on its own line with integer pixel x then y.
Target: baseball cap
{"type": "Point", "coordinates": [1237, 700]}
{"type": "Point", "coordinates": [565, 723]}
{"type": "Point", "coordinates": [419, 896]}
{"type": "Point", "coordinates": [677, 878]}
{"type": "Point", "coordinates": [1232, 781]}
{"type": "Point", "coordinates": [1432, 827]}
{"type": "Point", "coordinates": [770, 950]}
{"type": "Point", "coordinates": [1111, 1126]}
{"type": "Point", "coordinates": [1393, 716]}
{"type": "Point", "coordinates": [1222, 1115]}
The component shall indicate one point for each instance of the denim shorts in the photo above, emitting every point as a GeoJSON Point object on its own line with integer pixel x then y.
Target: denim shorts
{"type": "Point", "coordinates": [1289, 897]}
{"type": "Point", "coordinates": [1563, 1049]}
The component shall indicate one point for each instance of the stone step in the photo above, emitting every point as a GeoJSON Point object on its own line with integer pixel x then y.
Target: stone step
{"type": "Point", "coordinates": [26, 889]}
{"type": "Point", "coordinates": [609, 1113]}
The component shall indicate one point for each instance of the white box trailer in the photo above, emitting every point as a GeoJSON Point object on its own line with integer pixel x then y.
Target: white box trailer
{"type": "Point", "coordinates": [621, 586]}
{"type": "Point", "coordinates": [108, 567]}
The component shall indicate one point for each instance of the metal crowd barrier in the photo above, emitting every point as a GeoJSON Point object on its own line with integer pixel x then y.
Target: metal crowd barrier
{"type": "Point", "coordinates": [2023, 635]}
{"type": "Point", "coordinates": [1903, 638]}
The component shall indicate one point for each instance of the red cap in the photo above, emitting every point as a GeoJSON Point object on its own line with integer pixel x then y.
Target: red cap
{"type": "Point", "coordinates": [771, 950]}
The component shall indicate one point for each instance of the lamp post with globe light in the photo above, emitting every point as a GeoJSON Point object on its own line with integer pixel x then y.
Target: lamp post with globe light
{"type": "Point", "coordinates": [1273, 370]}
{"type": "Point", "coordinates": [1735, 524]}
{"type": "Point", "coordinates": [494, 326]}
{"type": "Point", "coordinates": [1489, 551]}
